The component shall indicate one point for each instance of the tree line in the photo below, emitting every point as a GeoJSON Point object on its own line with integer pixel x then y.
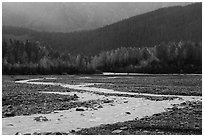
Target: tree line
{"type": "Point", "coordinates": [25, 57]}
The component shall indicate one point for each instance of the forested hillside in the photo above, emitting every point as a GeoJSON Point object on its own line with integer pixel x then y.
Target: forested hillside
{"type": "Point", "coordinates": [171, 24]}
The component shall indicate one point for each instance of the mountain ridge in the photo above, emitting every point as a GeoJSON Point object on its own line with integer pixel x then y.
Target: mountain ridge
{"type": "Point", "coordinates": [71, 16]}
{"type": "Point", "coordinates": [162, 25]}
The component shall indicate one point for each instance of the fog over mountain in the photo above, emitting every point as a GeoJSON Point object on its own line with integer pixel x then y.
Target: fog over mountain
{"type": "Point", "coordinates": [67, 17]}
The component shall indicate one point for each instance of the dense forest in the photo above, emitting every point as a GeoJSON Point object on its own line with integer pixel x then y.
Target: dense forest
{"type": "Point", "coordinates": [167, 40]}
{"type": "Point", "coordinates": [146, 30]}
{"type": "Point", "coordinates": [25, 57]}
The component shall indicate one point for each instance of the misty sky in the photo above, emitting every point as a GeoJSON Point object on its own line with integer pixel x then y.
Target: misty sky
{"type": "Point", "coordinates": [67, 17]}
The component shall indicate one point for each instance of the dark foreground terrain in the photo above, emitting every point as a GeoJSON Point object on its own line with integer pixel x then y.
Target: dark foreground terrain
{"type": "Point", "coordinates": [185, 118]}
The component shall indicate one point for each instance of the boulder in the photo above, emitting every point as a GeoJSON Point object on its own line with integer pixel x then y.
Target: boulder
{"type": "Point", "coordinates": [127, 113]}
{"type": "Point", "coordinates": [80, 109]}
{"type": "Point", "coordinates": [126, 101]}
{"type": "Point", "coordinates": [100, 106]}
{"type": "Point", "coordinates": [18, 133]}
{"type": "Point", "coordinates": [117, 131]}
{"type": "Point", "coordinates": [75, 96]}
{"type": "Point", "coordinates": [27, 134]}
{"type": "Point", "coordinates": [40, 119]}
{"type": "Point", "coordinates": [123, 128]}
{"type": "Point", "coordinates": [10, 124]}
{"type": "Point", "coordinates": [107, 101]}
{"type": "Point", "coordinates": [10, 114]}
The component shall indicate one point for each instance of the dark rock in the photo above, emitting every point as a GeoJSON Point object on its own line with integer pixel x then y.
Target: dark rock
{"type": "Point", "coordinates": [126, 101]}
{"type": "Point", "coordinates": [100, 106]}
{"type": "Point", "coordinates": [127, 113]}
{"type": "Point", "coordinates": [60, 99]}
{"type": "Point", "coordinates": [40, 119]}
{"type": "Point", "coordinates": [58, 133]}
{"type": "Point", "coordinates": [95, 109]}
{"type": "Point", "coordinates": [82, 114]}
{"type": "Point", "coordinates": [9, 106]}
{"type": "Point", "coordinates": [174, 108]}
{"type": "Point", "coordinates": [10, 124]}
{"type": "Point", "coordinates": [36, 133]}
{"type": "Point", "coordinates": [18, 133]}
{"type": "Point", "coordinates": [196, 126]}
{"type": "Point", "coordinates": [75, 96]}
{"type": "Point", "coordinates": [47, 133]}
{"type": "Point", "coordinates": [27, 134]}
{"type": "Point", "coordinates": [107, 101]}
{"type": "Point", "coordinates": [157, 114]}
{"type": "Point", "coordinates": [10, 114]}
{"type": "Point", "coordinates": [80, 109]}
{"type": "Point", "coordinates": [136, 118]}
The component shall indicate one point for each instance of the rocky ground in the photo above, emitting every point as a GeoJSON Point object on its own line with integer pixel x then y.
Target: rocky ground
{"type": "Point", "coordinates": [186, 118]}
{"type": "Point", "coordinates": [161, 84]}
{"type": "Point", "coordinates": [24, 99]}
{"type": "Point", "coordinates": [183, 119]}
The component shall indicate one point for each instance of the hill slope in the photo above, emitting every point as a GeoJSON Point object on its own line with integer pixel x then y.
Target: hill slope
{"type": "Point", "coordinates": [166, 24]}
{"type": "Point", "coordinates": [71, 16]}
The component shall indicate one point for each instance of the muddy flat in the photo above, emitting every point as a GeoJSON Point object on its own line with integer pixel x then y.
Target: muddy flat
{"type": "Point", "coordinates": [97, 104]}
